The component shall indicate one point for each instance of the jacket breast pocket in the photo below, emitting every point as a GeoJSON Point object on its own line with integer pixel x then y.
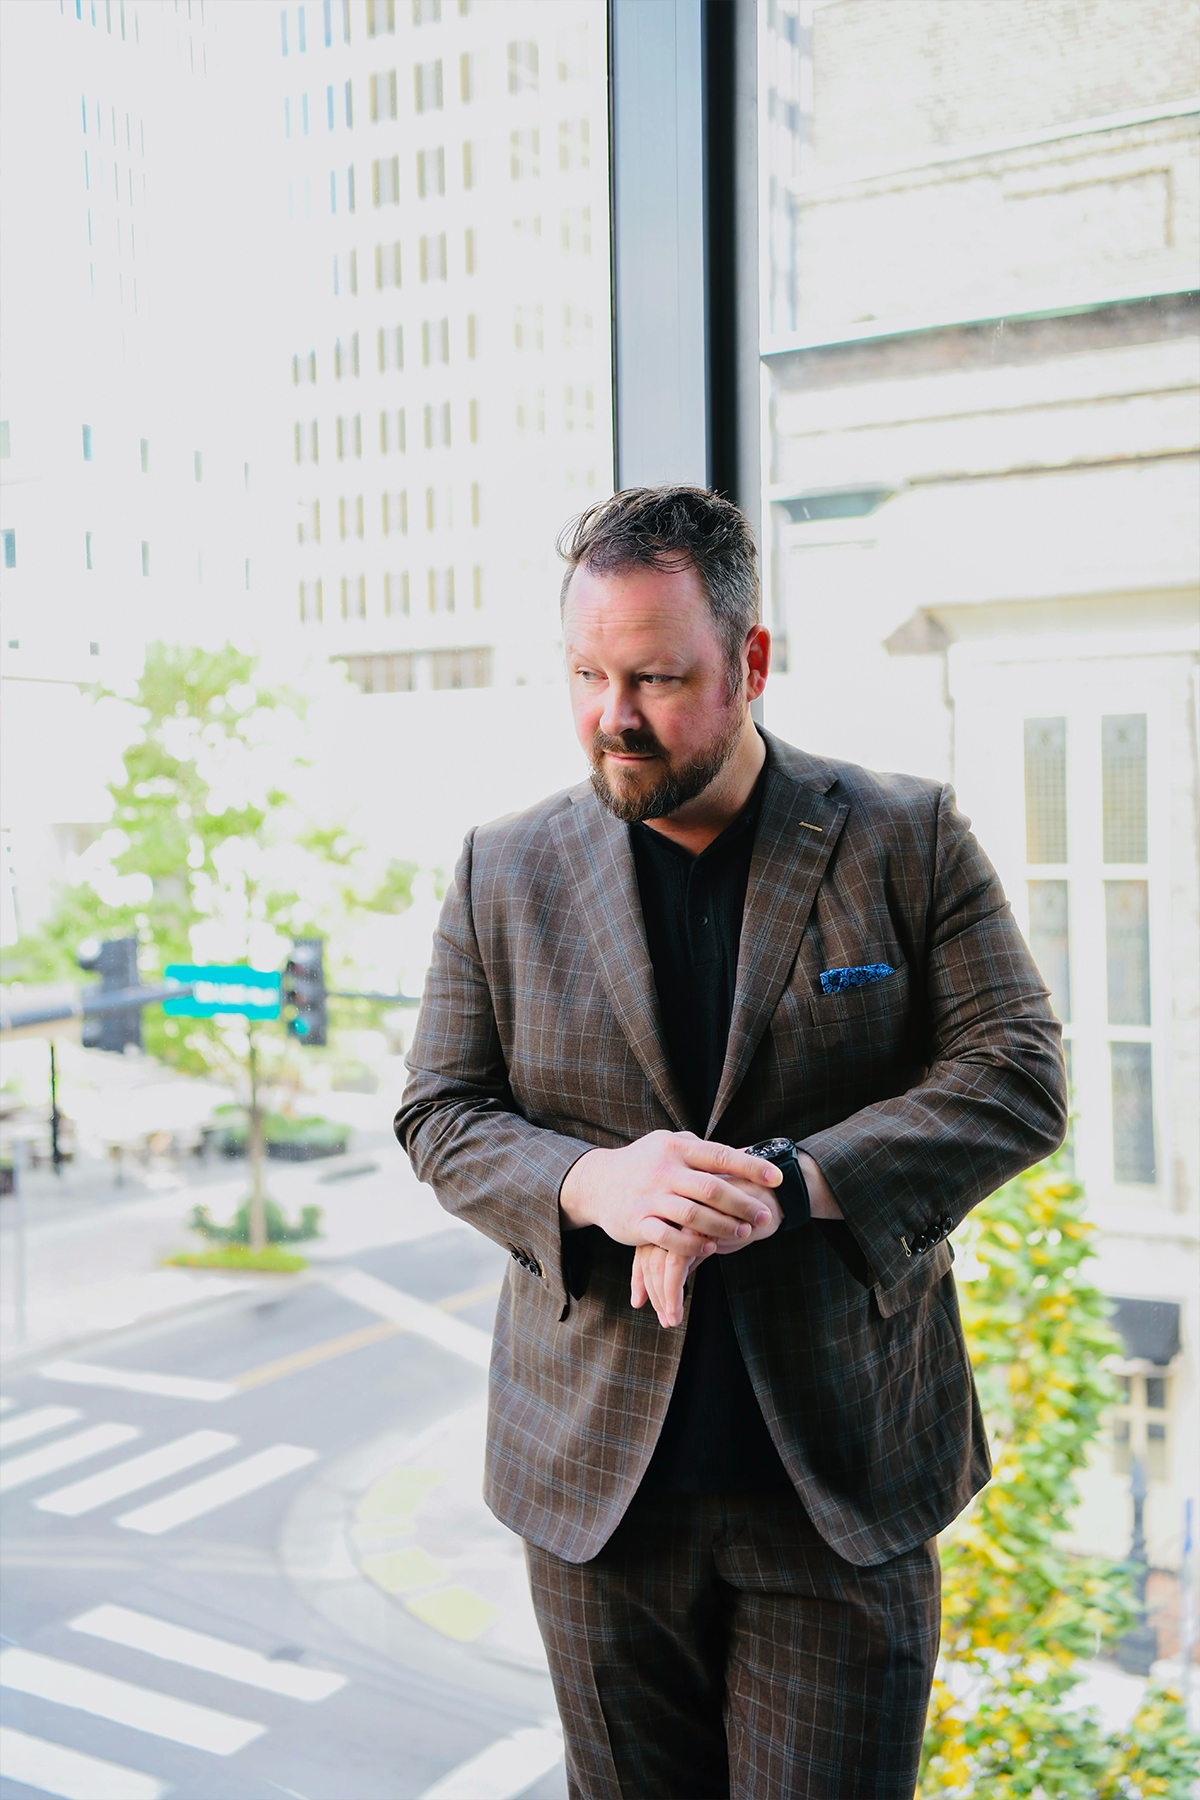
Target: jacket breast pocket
{"type": "Point", "coordinates": [878, 1007]}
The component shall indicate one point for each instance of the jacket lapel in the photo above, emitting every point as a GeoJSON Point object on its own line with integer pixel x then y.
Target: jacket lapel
{"type": "Point", "coordinates": [598, 862]}
{"type": "Point", "coordinates": [797, 830]}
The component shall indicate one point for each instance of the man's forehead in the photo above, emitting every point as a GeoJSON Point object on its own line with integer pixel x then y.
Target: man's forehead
{"type": "Point", "coordinates": [666, 604]}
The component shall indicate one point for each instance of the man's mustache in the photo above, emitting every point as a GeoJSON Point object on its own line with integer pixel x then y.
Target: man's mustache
{"type": "Point", "coordinates": [630, 743]}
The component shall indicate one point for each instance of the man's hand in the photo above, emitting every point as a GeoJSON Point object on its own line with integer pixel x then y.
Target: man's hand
{"type": "Point", "coordinates": [671, 1189]}
{"type": "Point", "coordinates": [659, 1275]}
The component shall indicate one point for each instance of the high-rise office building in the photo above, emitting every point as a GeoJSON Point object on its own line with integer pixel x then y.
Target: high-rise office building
{"type": "Point", "coordinates": [126, 472]}
{"type": "Point", "coordinates": [444, 344]}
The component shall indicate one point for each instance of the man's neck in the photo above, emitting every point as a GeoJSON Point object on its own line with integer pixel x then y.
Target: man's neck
{"type": "Point", "coordinates": [698, 824]}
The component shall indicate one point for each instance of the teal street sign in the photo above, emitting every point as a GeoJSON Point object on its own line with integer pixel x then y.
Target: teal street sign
{"type": "Point", "coordinates": [223, 988]}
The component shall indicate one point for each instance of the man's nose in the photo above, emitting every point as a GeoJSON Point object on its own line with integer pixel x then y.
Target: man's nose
{"type": "Point", "coordinates": [620, 710]}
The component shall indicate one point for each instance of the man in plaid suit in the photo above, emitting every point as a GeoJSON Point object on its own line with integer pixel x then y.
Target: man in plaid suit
{"type": "Point", "coordinates": [730, 1497]}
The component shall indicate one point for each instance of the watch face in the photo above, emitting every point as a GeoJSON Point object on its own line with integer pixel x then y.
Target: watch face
{"type": "Point", "coordinates": [770, 1148]}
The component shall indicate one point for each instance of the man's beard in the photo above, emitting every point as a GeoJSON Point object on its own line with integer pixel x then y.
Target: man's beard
{"type": "Point", "coordinates": [674, 787]}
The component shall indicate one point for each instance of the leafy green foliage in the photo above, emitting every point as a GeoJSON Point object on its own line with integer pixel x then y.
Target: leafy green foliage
{"type": "Point", "coordinates": [1018, 1610]}
{"type": "Point", "coordinates": [208, 857]}
{"type": "Point", "coordinates": [238, 1230]}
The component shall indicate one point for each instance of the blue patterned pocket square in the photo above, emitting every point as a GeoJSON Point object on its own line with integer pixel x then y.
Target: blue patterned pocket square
{"type": "Point", "coordinates": [833, 981]}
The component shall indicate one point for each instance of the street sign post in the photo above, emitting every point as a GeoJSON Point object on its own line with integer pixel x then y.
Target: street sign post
{"type": "Point", "coordinates": [223, 988]}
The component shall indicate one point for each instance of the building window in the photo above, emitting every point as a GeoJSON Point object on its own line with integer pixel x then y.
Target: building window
{"type": "Point", "coordinates": [345, 357]}
{"type": "Point", "coordinates": [1046, 790]}
{"type": "Point", "coordinates": [304, 368]}
{"type": "Point", "coordinates": [426, 12]}
{"type": "Point", "coordinates": [1133, 1114]}
{"type": "Point", "coordinates": [1138, 1425]}
{"type": "Point", "coordinates": [247, 560]}
{"type": "Point", "coordinates": [574, 144]}
{"type": "Point", "coordinates": [1123, 778]}
{"type": "Point", "coordinates": [145, 557]}
{"type": "Point", "coordinates": [470, 76]}
{"type": "Point", "coordinates": [1049, 940]}
{"type": "Point", "coordinates": [389, 347]}
{"type": "Point", "coordinates": [5, 440]}
{"type": "Point", "coordinates": [198, 462]}
{"type": "Point", "coordinates": [469, 165]}
{"type": "Point", "coordinates": [524, 154]}
{"type": "Point", "coordinates": [427, 86]}
{"type": "Point", "coordinates": [395, 594]}
{"type": "Point", "coordinates": [475, 503]}
{"type": "Point", "coordinates": [1127, 939]}
{"type": "Point", "coordinates": [461, 668]}
{"type": "Point", "coordinates": [435, 341]}
{"type": "Point", "coordinates": [575, 231]}
{"type": "Point", "coordinates": [431, 173]}
{"type": "Point", "coordinates": [383, 96]}
{"type": "Point", "coordinates": [522, 67]}
{"type": "Point", "coordinates": [87, 548]}
{"type": "Point", "coordinates": [473, 421]}
{"type": "Point", "coordinates": [385, 181]}
{"type": "Point", "coordinates": [87, 443]}
{"type": "Point", "coordinates": [472, 335]}
{"type": "Point", "coordinates": [387, 265]}
{"type": "Point", "coordinates": [469, 250]}
{"type": "Point", "coordinates": [298, 441]}
{"type": "Point", "coordinates": [388, 674]}
{"type": "Point", "coordinates": [441, 591]}
{"type": "Point", "coordinates": [349, 97]}
{"type": "Point", "coordinates": [300, 40]}
{"type": "Point", "coordinates": [381, 17]}
{"type": "Point", "coordinates": [437, 426]}
{"type": "Point", "coordinates": [477, 591]}
{"type": "Point", "coordinates": [432, 257]}
{"type": "Point", "coordinates": [527, 328]}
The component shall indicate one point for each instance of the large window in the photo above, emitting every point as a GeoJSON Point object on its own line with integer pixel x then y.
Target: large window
{"type": "Point", "coordinates": [479, 351]}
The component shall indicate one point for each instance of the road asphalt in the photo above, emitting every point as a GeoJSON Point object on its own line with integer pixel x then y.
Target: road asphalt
{"type": "Point", "coordinates": [244, 1546]}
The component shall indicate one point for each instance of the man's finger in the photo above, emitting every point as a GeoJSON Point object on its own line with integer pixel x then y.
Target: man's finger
{"type": "Point", "coordinates": [723, 1159]}
{"type": "Point", "coordinates": [712, 1207]}
{"type": "Point", "coordinates": [668, 1236]}
{"type": "Point", "coordinates": [637, 1285]}
{"type": "Point", "coordinates": [674, 1276]}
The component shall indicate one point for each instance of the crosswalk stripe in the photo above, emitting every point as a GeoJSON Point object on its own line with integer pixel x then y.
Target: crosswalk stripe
{"type": "Point", "coordinates": [138, 1472]}
{"type": "Point", "coordinates": [413, 1315]}
{"type": "Point", "coordinates": [215, 1490]}
{"type": "Point", "coordinates": [138, 1381]}
{"type": "Point", "coordinates": [196, 1650]}
{"type": "Point", "coordinates": [161, 1715]}
{"type": "Point", "coordinates": [36, 1423]}
{"type": "Point", "coordinates": [53, 1769]}
{"type": "Point", "coordinates": [18, 1471]}
{"type": "Point", "coordinates": [504, 1770]}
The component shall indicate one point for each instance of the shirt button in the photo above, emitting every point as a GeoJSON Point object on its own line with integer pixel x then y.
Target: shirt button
{"type": "Point", "coordinates": [704, 920]}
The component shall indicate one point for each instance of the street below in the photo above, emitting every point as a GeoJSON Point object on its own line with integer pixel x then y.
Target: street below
{"type": "Point", "coordinates": [245, 1550]}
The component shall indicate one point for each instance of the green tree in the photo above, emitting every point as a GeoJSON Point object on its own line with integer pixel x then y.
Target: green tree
{"type": "Point", "coordinates": [1019, 1611]}
{"type": "Point", "coordinates": [209, 857]}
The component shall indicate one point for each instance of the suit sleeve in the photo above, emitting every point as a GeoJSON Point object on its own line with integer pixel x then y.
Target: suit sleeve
{"type": "Point", "coordinates": [458, 1122]}
{"type": "Point", "coordinates": [907, 1170]}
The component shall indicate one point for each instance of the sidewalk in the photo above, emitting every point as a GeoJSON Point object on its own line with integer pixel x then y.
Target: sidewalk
{"type": "Point", "coordinates": [94, 1252]}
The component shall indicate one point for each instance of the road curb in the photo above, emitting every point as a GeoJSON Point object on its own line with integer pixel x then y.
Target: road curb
{"type": "Point", "coordinates": [319, 1557]}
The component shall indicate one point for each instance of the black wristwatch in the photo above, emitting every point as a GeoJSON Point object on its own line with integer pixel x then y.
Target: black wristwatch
{"type": "Point", "coordinates": [792, 1192]}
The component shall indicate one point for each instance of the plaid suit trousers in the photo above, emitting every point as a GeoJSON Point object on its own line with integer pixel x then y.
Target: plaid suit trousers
{"type": "Point", "coordinates": [717, 1646]}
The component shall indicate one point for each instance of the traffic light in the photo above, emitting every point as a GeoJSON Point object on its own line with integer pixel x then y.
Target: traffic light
{"type": "Point", "coordinates": [304, 988]}
{"type": "Point", "coordinates": [115, 961]}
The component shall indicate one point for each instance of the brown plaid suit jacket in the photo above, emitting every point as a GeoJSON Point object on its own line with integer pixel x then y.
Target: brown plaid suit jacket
{"type": "Point", "coordinates": [917, 1095]}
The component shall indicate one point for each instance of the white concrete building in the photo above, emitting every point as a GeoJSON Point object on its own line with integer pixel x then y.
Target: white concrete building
{"type": "Point", "coordinates": [984, 448]}
{"type": "Point", "coordinates": [128, 480]}
{"type": "Point", "coordinates": [443, 358]}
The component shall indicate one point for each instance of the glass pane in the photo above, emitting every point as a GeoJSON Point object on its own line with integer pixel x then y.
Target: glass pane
{"type": "Point", "coordinates": [1156, 1393]}
{"type": "Point", "coordinates": [452, 301]}
{"type": "Point", "coordinates": [1127, 932]}
{"type": "Point", "coordinates": [1045, 790]}
{"type": "Point", "coordinates": [1123, 762]}
{"type": "Point", "coordinates": [1132, 1113]}
{"type": "Point", "coordinates": [1120, 1446]}
{"type": "Point", "coordinates": [1050, 942]}
{"type": "Point", "coordinates": [1156, 1453]}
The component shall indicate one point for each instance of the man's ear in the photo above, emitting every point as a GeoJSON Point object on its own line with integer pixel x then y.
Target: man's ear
{"type": "Point", "coordinates": [756, 656]}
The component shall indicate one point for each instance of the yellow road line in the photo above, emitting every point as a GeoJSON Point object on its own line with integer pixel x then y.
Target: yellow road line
{"type": "Point", "coordinates": [354, 1340]}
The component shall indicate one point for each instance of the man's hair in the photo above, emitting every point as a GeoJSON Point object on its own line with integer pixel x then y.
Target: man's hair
{"type": "Point", "coordinates": [670, 528]}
